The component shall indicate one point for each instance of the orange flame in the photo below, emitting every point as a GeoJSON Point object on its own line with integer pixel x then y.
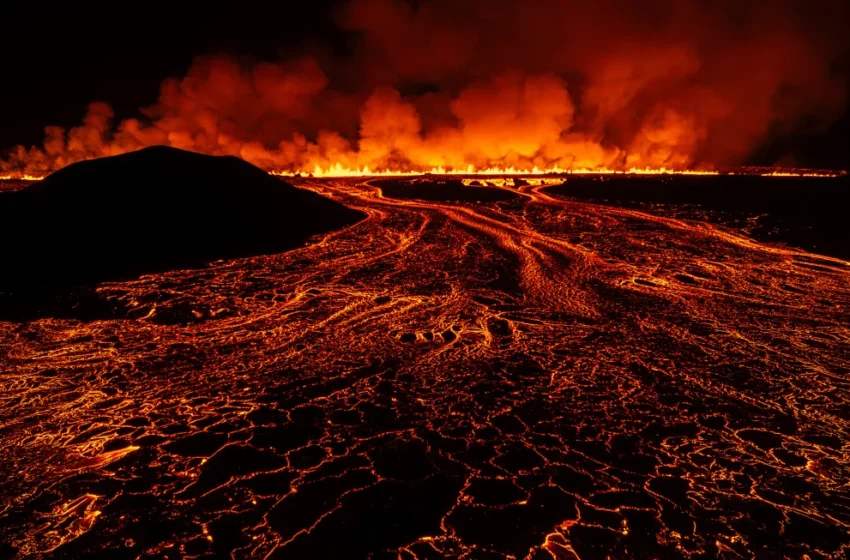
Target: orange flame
{"type": "Point", "coordinates": [338, 170]}
{"type": "Point", "coordinates": [21, 177]}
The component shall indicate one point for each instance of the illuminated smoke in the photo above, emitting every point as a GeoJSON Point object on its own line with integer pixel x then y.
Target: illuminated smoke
{"type": "Point", "coordinates": [444, 84]}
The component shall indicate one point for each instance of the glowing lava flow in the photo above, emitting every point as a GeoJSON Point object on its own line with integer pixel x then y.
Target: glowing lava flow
{"type": "Point", "coordinates": [521, 377]}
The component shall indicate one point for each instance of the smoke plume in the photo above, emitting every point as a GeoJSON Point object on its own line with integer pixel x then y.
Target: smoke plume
{"type": "Point", "coordinates": [501, 83]}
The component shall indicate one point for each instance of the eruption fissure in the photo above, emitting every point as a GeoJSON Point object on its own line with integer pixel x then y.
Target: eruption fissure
{"type": "Point", "coordinates": [337, 172]}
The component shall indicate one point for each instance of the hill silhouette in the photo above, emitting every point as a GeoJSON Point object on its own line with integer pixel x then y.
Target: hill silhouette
{"type": "Point", "coordinates": [148, 211]}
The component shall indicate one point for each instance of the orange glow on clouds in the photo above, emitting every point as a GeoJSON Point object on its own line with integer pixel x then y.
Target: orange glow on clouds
{"type": "Point", "coordinates": [473, 87]}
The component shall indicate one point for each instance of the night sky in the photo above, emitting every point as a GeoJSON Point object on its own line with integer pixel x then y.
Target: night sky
{"type": "Point", "coordinates": [67, 55]}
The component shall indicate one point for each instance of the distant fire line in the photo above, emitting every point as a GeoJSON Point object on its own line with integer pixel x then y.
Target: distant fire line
{"type": "Point", "coordinates": [20, 178]}
{"type": "Point", "coordinates": [338, 171]}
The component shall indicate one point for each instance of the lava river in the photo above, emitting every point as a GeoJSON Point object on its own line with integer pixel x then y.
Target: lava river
{"type": "Point", "coordinates": [525, 377]}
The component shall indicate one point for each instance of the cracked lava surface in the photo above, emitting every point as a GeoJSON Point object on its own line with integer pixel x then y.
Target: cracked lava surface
{"type": "Point", "coordinates": [523, 376]}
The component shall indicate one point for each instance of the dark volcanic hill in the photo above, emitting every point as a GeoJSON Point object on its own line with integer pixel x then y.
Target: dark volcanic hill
{"type": "Point", "coordinates": [149, 211]}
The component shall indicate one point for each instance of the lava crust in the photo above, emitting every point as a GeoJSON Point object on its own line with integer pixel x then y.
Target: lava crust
{"type": "Point", "coordinates": [810, 213]}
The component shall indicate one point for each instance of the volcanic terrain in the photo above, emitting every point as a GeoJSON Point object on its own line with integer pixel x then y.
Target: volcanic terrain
{"type": "Point", "coordinates": [511, 373]}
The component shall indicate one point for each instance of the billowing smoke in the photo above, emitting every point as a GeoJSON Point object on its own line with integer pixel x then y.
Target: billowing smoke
{"type": "Point", "coordinates": [502, 83]}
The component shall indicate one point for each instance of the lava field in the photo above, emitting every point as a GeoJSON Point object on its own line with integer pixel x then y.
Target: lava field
{"type": "Point", "coordinates": [512, 373]}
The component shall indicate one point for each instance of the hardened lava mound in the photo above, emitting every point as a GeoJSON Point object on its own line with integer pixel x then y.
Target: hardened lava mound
{"type": "Point", "coordinates": [517, 376]}
{"type": "Point", "coordinates": [152, 210]}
